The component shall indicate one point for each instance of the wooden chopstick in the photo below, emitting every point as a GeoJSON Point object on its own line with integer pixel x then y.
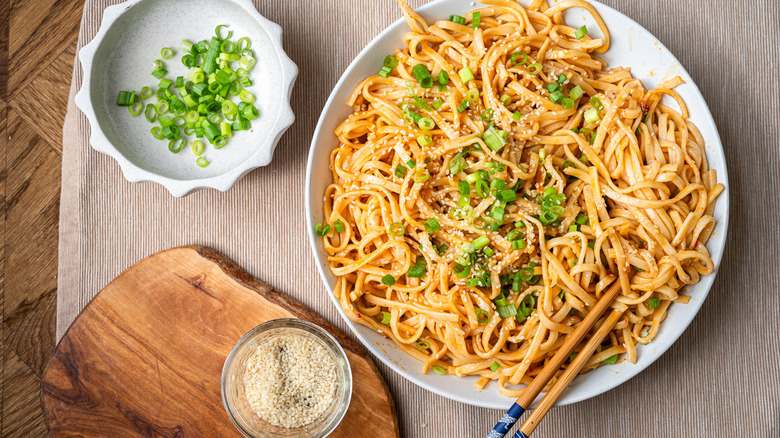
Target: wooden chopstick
{"type": "Point", "coordinates": [540, 381]}
{"type": "Point", "coordinates": [571, 371]}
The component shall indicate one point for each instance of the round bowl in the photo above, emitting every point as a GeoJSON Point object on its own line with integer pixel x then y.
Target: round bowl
{"type": "Point", "coordinates": [121, 57]}
{"type": "Point", "coordinates": [234, 398]}
{"type": "Point", "coordinates": [632, 46]}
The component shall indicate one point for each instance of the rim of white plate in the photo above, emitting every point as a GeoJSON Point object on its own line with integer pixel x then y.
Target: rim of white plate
{"type": "Point", "coordinates": [716, 244]}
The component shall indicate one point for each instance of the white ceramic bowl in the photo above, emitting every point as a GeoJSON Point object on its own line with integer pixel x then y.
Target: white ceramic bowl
{"type": "Point", "coordinates": [632, 46]}
{"type": "Point", "coordinates": [121, 57]}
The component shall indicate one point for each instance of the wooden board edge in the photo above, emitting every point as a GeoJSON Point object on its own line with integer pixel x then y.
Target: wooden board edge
{"type": "Point", "coordinates": [242, 277]}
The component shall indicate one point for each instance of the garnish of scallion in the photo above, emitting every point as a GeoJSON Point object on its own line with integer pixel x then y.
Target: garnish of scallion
{"type": "Point", "coordinates": [209, 102]}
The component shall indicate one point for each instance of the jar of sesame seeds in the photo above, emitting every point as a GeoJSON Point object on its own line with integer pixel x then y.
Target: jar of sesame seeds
{"type": "Point", "coordinates": [286, 378]}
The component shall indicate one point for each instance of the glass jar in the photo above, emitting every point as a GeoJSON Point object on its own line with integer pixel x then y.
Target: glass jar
{"type": "Point", "coordinates": [233, 390]}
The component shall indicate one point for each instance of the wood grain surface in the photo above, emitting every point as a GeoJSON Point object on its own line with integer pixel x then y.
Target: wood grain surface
{"type": "Point", "coordinates": [720, 377]}
{"type": "Point", "coordinates": [37, 48]}
{"type": "Point", "coordinates": [145, 357]}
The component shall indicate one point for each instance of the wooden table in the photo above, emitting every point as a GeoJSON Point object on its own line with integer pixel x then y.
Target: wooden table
{"type": "Point", "coordinates": [37, 48]}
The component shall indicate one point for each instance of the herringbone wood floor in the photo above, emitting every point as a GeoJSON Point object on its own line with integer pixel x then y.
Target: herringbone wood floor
{"type": "Point", "coordinates": [37, 49]}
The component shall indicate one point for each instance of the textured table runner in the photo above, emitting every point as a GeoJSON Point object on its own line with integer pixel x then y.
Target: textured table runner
{"type": "Point", "coordinates": [721, 377]}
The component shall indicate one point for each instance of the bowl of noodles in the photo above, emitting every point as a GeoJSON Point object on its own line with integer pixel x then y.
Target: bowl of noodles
{"type": "Point", "coordinates": [482, 173]}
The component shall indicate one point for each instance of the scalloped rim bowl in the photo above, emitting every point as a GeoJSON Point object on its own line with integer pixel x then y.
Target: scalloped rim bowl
{"type": "Point", "coordinates": [121, 56]}
{"type": "Point", "coordinates": [632, 46]}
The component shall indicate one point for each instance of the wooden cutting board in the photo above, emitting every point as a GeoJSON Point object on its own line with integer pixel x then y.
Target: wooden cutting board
{"type": "Point", "coordinates": [145, 356]}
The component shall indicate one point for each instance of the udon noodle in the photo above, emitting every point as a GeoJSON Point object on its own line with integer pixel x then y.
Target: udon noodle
{"type": "Point", "coordinates": [476, 215]}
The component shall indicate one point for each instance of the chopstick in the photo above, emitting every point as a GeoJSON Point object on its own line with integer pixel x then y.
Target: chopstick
{"type": "Point", "coordinates": [529, 394]}
{"type": "Point", "coordinates": [571, 371]}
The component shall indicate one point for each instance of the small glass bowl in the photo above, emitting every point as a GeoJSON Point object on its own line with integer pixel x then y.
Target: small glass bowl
{"type": "Point", "coordinates": [234, 395]}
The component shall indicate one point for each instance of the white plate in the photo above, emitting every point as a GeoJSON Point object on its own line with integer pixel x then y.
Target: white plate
{"type": "Point", "coordinates": [632, 46]}
{"type": "Point", "coordinates": [121, 57]}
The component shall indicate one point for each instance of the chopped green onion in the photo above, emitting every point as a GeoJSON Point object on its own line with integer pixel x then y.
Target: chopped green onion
{"type": "Point", "coordinates": [527, 305]}
{"type": "Point", "coordinates": [422, 75]}
{"type": "Point", "coordinates": [443, 77]}
{"type": "Point", "coordinates": [457, 19]}
{"type": "Point", "coordinates": [136, 108]}
{"type": "Point", "coordinates": [562, 78]}
{"type": "Point", "coordinates": [480, 242]}
{"type": "Point", "coordinates": [472, 95]}
{"type": "Point", "coordinates": [495, 366]}
{"type": "Point", "coordinates": [145, 93]}
{"type": "Point", "coordinates": [507, 311]}
{"type": "Point", "coordinates": [494, 138]}
{"type": "Point", "coordinates": [422, 345]}
{"type": "Point", "coordinates": [506, 196]}
{"type": "Point", "coordinates": [421, 103]}
{"type": "Point", "coordinates": [440, 370]}
{"type": "Point", "coordinates": [202, 162]}
{"type": "Point", "coordinates": [386, 318]}
{"type": "Point", "coordinates": [421, 175]}
{"type": "Point", "coordinates": [535, 68]}
{"type": "Point", "coordinates": [515, 55]}
{"type": "Point", "coordinates": [426, 123]}
{"type": "Point", "coordinates": [464, 188]}
{"type": "Point", "coordinates": [397, 229]}
{"type": "Point", "coordinates": [385, 72]}
{"type": "Point", "coordinates": [653, 303]}
{"type": "Point", "coordinates": [388, 280]}
{"type": "Point", "coordinates": [610, 360]}
{"type": "Point", "coordinates": [567, 103]}
{"type": "Point", "coordinates": [125, 98]}
{"type": "Point", "coordinates": [591, 115]}
{"type": "Point", "coordinates": [596, 103]}
{"type": "Point", "coordinates": [475, 19]}
{"type": "Point", "coordinates": [197, 147]}
{"type": "Point", "coordinates": [338, 226]}
{"type": "Point", "coordinates": [166, 53]}
{"type": "Point", "coordinates": [457, 163]}
{"type": "Point", "coordinates": [437, 103]}
{"type": "Point", "coordinates": [321, 230]}
{"type": "Point", "coordinates": [416, 272]}
{"type": "Point", "coordinates": [465, 74]}
{"type": "Point", "coordinates": [505, 99]}
{"type": "Point", "coordinates": [424, 140]}
{"type": "Point", "coordinates": [486, 115]}
{"type": "Point", "coordinates": [516, 115]}
{"type": "Point", "coordinates": [431, 225]}
{"type": "Point", "coordinates": [462, 271]}
{"type": "Point", "coordinates": [576, 92]}
{"type": "Point", "coordinates": [150, 113]}
{"type": "Point", "coordinates": [482, 316]}
{"type": "Point", "coordinates": [581, 32]}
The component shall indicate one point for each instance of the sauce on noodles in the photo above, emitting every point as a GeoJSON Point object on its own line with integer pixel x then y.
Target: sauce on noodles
{"type": "Point", "coordinates": [476, 215]}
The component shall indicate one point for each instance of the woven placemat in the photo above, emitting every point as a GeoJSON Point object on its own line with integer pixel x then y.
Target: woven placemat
{"type": "Point", "coordinates": [721, 377]}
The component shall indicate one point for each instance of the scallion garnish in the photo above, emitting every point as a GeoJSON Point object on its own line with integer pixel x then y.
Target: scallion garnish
{"type": "Point", "coordinates": [457, 19]}
{"type": "Point", "coordinates": [581, 32]}
{"type": "Point", "coordinates": [591, 115]}
{"type": "Point", "coordinates": [422, 75]}
{"type": "Point", "coordinates": [388, 280]}
{"type": "Point", "coordinates": [465, 74]}
{"type": "Point", "coordinates": [431, 225]}
{"type": "Point", "coordinates": [200, 100]}
{"type": "Point", "coordinates": [440, 370]}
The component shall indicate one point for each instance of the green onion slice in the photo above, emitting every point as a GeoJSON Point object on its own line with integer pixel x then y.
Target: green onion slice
{"type": "Point", "coordinates": [440, 370]}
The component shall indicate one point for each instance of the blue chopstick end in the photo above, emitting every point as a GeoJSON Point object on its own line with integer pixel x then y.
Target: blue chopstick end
{"type": "Point", "coordinates": [506, 422]}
